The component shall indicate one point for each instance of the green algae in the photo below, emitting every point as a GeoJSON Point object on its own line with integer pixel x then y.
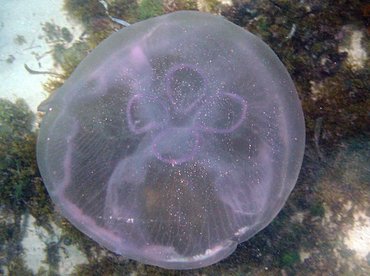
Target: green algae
{"type": "Point", "coordinates": [84, 11]}
{"type": "Point", "coordinates": [150, 8]}
{"type": "Point", "coordinates": [317, 209]}
{"type": "Point", "coordinates": [17, 158]}
{"type": "Point", "coordinates": [20, 183]}
{"type": "Point", "coordinates": [18, 267]}
{"type": "Point", "coordinates": [55, 33]}
{"type": "Point", "coordinates": [289, 258]}
{"type": "Point", "coordinates": [176, 5]}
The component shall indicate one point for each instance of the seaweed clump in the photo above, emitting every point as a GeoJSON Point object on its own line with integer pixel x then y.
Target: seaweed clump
{"type": "Point", "coordinates": [17, 160]}
{"type": "Point", "coordinates": [307, 38]}
{"type": "Point", "coordinates": [20, 183]}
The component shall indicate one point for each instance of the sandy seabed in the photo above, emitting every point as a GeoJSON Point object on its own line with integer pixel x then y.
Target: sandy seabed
{"type": "Point", "coordinates": [24, 19]}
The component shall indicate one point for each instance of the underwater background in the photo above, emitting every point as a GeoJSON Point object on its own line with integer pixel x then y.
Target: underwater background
{"type": "Point", "coordinates": [324, 228]}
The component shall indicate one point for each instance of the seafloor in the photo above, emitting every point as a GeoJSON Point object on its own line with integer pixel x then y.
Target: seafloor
{"type": "Point", "coordinates": [324, 228]}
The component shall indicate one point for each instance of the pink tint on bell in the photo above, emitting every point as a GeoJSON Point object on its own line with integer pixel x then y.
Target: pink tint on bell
{"type": "Point", "coordinates": [174, 140]}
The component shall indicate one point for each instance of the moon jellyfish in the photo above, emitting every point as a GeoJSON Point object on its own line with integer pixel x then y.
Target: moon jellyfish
{"type": "Point", "coordinates": [174, 140]}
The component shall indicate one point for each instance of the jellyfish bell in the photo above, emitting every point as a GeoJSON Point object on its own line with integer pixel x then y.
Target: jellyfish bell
{"type": "Point", "coordinates": [174, 140]}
